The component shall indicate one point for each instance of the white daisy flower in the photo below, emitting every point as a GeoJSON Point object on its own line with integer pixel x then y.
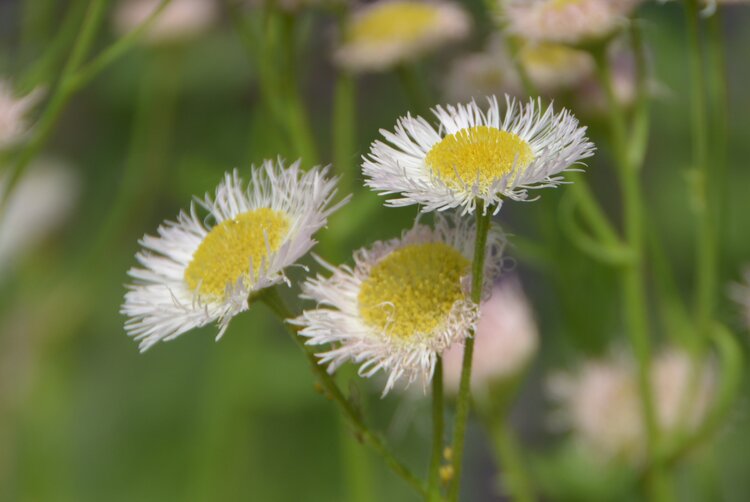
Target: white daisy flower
{"type": "Point", "coordinates": [387, 33]}
{"type": "Point", "coordinates": [180, 20]}
{"type": "Point", "coordinates": [565, 21]}
{"type": "Point", "coordinates": [194, 272]}
{"type": "Point", "coordinates": [14, 125]}
{"type": "Point", "coordinates": [475, 155]}
{"type": "Point", "coordinates": [402, 304]}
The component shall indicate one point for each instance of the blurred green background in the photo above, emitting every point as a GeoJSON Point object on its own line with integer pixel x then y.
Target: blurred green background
{"type": "Point", "coordinates": [85, 417]}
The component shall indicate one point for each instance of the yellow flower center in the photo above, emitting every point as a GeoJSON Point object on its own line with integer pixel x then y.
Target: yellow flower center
{"type": "Point", "coordinates": [550, 55]}
{"type": "Point", "coordinates": [561, 4]}
{"type": "Point", "coordinates": [225, 255]}
{"type": "Point", "coordinates": [393, 22]}
{"type": "Point", "coordinates": [478, 154]}
{"type": "Point", "coordinates": [413, 289]}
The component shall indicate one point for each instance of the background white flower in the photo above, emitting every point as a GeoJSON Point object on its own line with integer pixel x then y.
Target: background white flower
{"type": "Point", "coordinates": [181, 19]}
{"type": "Point", "coordinates": [14, 110]}
{"type": "Point", "coordinates": [384, 34]}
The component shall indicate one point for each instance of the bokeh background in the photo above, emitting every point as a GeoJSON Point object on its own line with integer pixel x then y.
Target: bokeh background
{"type": "Point", "coordinates": [85, 417]}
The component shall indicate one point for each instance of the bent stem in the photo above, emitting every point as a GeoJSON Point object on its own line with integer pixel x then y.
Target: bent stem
{"type": "Point", "coordinates": [437, 430]}
{"type": "Point", "coordinates": [509, 453]}
{"type": "Point", "coordinates": [706, 255]}
{"type": "Point", "coordinates": [634, 290]}
{"type": "Point", "coordinates": [273, 300]}
{"type": "Point", "coordinates": [483, 218]}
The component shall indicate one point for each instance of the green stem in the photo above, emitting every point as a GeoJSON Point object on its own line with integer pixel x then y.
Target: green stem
{"type": "Point", "coordinates": [116, 50]}
{"type": "Point", "coordinates": [437, 430]}
{"type": "Point", "coordinates": [720, 139]}
{"type": "Point", "coordinates": [633, 284]}
{"type": "Point", "coordinates": [415, 88]}
{"type": "Point", "coordinates": [511, 461]}
{"type": "Point", "coordinates": [705, 236]}
{"type": "Point", "coordinates": [298, 122]}
{"type": "Point", "coordinates": [483, 219]}
{"type": "Point", "coordinates": [345, 132]}
{"type": "Point", "coordinates": [273, 300]}
{"type": "Point", "coordinates": [59, 99]}
{"type": "Point", "coordinates": [144, 171]}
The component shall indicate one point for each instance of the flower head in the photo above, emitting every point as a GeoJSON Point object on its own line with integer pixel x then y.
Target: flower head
{"type": "Point", "coordinates": [387, 33]}
{"type": "Point", "coordinates": [475, 155]}
{"type": "Point", "coordinates": [402, 304]}
{"type": "Point", "coordinates": [196, 272]}
{"type": "Point", "coordinates": [602, 405]}
{"type": "Point", "coordinates": [180, 19]}
{"type": "Point", "coordinates": [565, 21]}
{"type": "Point", "coordinates": [13, 110]}
{"type": "Point", "coordinates": [505, 340]}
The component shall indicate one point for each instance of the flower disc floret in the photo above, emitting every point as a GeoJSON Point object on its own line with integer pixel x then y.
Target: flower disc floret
{"type": "Point", "coordinates": [225, 255]}
{"type": "Point", "coordinates": [413, 290]}
{"type": "Point", "coordinates": [481, 154]}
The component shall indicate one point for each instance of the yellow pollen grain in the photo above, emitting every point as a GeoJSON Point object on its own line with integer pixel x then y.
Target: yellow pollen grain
{"type": "Point", "coordinates": [478, 154]}
{"type": "Point", "coordinates": [393, 22]}
{"type": "Point", "coordinates": [225, 254]}
{"type": "Point", "coordinates": [413, 289]}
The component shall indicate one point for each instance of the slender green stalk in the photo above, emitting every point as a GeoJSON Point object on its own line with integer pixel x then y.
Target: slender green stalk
{"type": "Point", "coordinates": [298, 122]}
{"type": "Point", "coordinates": [62, 94]}
{"type": "Point", "coordinates": [144, 170]}
{"type": "Point", "coordinates": [634, 289]}
{"type": "Point", "coordinates": [706, 255]}
{"type": "Point", "coordinates": [437, 430]}
{"type": "Point", "coordinates": [115, 51]}
{"type": "Point", "coordinates": [71, 80]}
{"type": "Point", "coordinates": [415, 88]}
{"type": "Point", "coordinates": [483, 218]}
{"type": "Point", "coordinates": [720, 106]}
{"type": "Point", "coordinates": [274, 301]}
{"type": "Point", "coordinates": [345, 131]}
{"type": "Point", "coordinates": [509, 452]}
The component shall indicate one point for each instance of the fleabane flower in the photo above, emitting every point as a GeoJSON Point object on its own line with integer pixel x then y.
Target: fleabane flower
{"type": "Point", "coordinates": [601, 403]}
{"type": "Point", "coordinates": [505, 340]}
{"type": "Point", "coordinates": [201, 270]}
{"type": "Point", "coordinates": [475, 155]}
{"type": "Point", "coordinates": [14, 123]}
{"type": "Point", "coordinates": [402, 303]}
{"type": "Point", "coordinates": [565, 21]}
{"type": "Point", "coordinates": [390, 32]}
{"type": "Point", "coordinates": [180, 20]}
